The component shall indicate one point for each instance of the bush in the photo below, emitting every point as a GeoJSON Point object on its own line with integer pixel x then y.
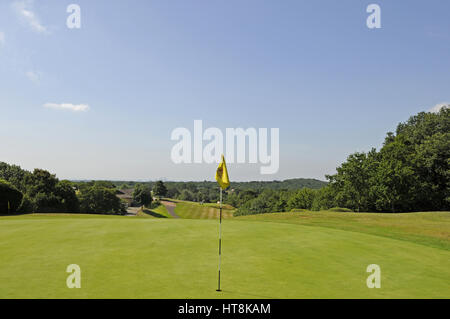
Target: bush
{"type": "Point", "coordinates": [10, 198]}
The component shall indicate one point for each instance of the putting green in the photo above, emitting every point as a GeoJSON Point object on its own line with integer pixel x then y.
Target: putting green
{"type": "Point", "coordinates": [131, 257]}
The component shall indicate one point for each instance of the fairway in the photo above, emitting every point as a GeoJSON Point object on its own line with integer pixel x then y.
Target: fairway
{"type": "Point", "coordinates": [192, 210]}
{"type": "Point", "coordinates": [265, 256]}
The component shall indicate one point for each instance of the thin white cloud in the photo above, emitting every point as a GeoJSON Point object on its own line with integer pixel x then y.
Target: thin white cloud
{"type": "Point", "coordinates": [438, 107]}
{"type": "Point", "coordinates": [68, 107]}
{"type": "Point", "coordinates": [33, 76]}
{"type": "Point", "coordinates": [24, 9]}
{"type": "Point", "coordinates": [2, 38]}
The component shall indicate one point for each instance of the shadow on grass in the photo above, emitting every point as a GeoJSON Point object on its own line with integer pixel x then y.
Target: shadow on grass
{"type": "Point", "coordinates": [152, 213]}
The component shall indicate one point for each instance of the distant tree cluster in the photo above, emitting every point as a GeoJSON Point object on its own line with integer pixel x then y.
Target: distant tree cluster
{"type": "Point", "coordinates": [239, 193]}
{"type": "Point", "coordinates": [270, 200]}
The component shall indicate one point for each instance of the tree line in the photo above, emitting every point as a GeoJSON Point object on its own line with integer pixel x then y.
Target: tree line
{"type": "Point", "coordinates": [41, 192]}
{"type": "Point", "coordinates": [410, 172]}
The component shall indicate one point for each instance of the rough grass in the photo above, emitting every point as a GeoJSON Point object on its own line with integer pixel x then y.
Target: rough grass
{"type": "Point", "coordinates": [288, 255]}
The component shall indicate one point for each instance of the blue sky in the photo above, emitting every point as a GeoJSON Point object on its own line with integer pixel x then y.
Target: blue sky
{"type": "Point", "coordinates": [310, 68]}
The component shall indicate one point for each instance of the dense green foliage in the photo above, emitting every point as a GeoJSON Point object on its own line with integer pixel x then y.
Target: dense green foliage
{"type": "Point", "coordinates": [142, 195]}
{"type": "Point", "coordinates": [268, 201]}
{"type": "Point", "coordinates": [208, 191]}
{"type": "Point", "coordinates": [159, 190]}
{"type": "Point", "coordinates": [411, 172]}
{"type": "Point", "coordinates": [44, 193]}
{"type": "Point", "coordinates": [10, 198]}
{"type": "Point", "coordinates": [100, 200]}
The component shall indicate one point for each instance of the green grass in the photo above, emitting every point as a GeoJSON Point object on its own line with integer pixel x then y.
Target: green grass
{"type": "Point", "coordinates": [192, 210]}
{"type": "Point", "coordinates": [158, 212]}
{"type": "Point", "coordinates": [291, 255]}
{"type": "Point", "coordinates": [427, 228]}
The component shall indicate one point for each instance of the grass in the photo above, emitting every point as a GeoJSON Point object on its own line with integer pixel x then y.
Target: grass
{"type": "Point", "coordinates": [158, 212]}
{"type": "Point", "coordinates": [427, 228]}
{"type": "Point", "coordinates": [192, 210]}
{"type": "Point", "coordinates": [282, 255]}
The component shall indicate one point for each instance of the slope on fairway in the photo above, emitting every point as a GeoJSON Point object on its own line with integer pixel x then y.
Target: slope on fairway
{"type": "Point", "coordinates": [192, 210]}
{"type": "Point", "coordinates": [123, 257]}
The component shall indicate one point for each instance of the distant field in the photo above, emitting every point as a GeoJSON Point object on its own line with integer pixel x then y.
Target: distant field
{"type": "Point", "coordinates": [192, 210]}
{"type": "Point", "coordinates": [287, 255]}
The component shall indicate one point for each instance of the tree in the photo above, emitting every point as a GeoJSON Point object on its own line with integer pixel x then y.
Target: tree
{"type": "Point", "coordinates": [159, 189]}
{"type": "Point", "coordinates": [351, 183]}
{"type": "Point", "coordinates": [411, 172]}
{"type": "Point", "coordinates": [10, 198]}
{"type": "Point", "coordinates": [268, 201]}
{"type": "Point", "coordinates": [100, 200]}
{"type": "Point", "coordinates": [302, 199]}
{"type": "Point", "coordinates": [41, 181]}
{"type": "Point", "coordinates": [394, 183]}
{"type": "Point", "coordinates": [14, 175]}
{"type": "Point", "coordinates": [432, 164]}
{"type": "Point", "coordinates": [186, 195]}
{"type": "Point", "coordinates": [142, 195]}
{"type": "Point", "coordinates": [324, 199]}
{"type": "Point", "coordinates": [64, 190]}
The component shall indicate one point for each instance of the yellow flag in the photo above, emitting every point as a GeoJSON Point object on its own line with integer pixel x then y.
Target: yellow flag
{"type": "Point", "coordinates": [222, 174]}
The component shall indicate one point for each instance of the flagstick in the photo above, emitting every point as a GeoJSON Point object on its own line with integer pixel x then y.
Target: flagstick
{"type": "Point", "coordinates": [220, 237]}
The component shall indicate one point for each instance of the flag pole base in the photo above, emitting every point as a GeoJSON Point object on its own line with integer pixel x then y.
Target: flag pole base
{"type": "Point", "coordinates": [218, 290]}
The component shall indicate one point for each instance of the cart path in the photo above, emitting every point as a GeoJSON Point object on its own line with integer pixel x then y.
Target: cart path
{"type": "Point", "coordinates": [132, 211]}
{"type": "Point", "coordinates": [170, 206]}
